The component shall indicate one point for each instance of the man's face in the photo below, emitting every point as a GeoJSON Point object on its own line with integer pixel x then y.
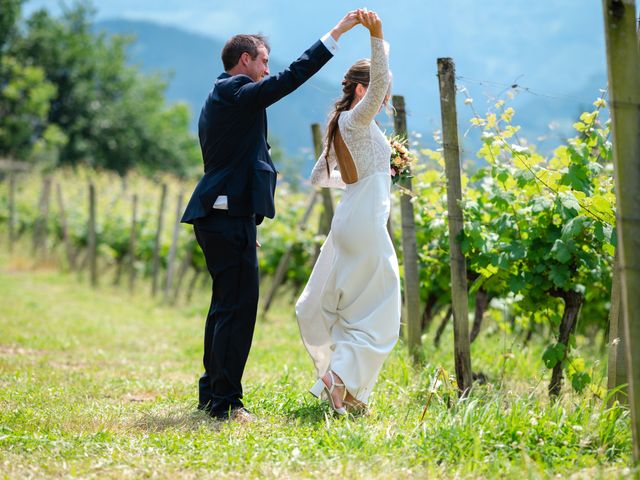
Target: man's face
{"type": "Point", "coordinates": [259, 67]}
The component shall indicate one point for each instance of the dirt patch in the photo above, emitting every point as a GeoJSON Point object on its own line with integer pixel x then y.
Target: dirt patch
{"type": "Point", "coordinates": [180, 418]}
{"type": "Point", "coordinates": [69, 365]}
{"type": "Point", "coordinates": [140, 397]}
{"type": "Point", "coordinates": [56, 360]}
{"type": "Point", "coordinates": [10, 350]}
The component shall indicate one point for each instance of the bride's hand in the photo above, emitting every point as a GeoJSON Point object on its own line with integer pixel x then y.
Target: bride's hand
{"type": "Point", "coordinates": [349, 21]}
{"type": "Point", "coordinates": [371, 22]}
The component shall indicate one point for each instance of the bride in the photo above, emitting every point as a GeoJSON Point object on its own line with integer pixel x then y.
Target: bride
{"type": "Point", "coordinates": [349, 311]}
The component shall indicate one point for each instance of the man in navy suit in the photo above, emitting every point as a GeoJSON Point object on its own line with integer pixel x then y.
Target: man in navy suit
{"type": "Point", "coordinates": [234, 195]}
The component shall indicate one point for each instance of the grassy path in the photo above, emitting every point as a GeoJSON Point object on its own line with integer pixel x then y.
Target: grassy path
{"type": "Point", "coordinates": [101, 384]}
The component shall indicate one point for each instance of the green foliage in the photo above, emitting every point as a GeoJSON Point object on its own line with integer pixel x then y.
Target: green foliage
{"type": "Point", "coordinates": [114, 217]}
{"type": "Point", "coordinates": [103, 383]}
{"type": "Point", "coordinates": [535, 228]}
{"type": "Point", "coordinates": [282, 233]}
{"type": "Point", "coordinates": [554, 354]}
{"type": "Point", "coordinates": [580, 380]}
{"type": "Point", "coordinates": [10, 12]}
{"type": "Point", "coordinates": [72, 99]}
{"type": "Point", "coordinates": [24, 105]}
{"type": "Point", "coordinates": [288, 167]}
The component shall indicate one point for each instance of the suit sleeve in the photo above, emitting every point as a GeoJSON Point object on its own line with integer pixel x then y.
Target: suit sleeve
{"type": "Point", "coordinates": [266, 92]}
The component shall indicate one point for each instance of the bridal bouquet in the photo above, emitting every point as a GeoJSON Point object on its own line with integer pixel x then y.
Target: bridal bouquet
{"type": "Point", "coordinates": [401, 159]}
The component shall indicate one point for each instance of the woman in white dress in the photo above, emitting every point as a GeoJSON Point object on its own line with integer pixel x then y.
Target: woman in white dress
{"type": "Point", "coordinates": [349, 311]}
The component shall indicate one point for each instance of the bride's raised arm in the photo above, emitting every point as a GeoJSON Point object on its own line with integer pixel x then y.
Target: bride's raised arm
{"type": "Point", "coordinates": [366, 110]}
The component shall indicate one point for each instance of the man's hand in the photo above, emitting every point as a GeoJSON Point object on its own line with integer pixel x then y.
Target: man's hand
{"type": "Point", "coordinates": [349, 21]}
{"type": "Point", "coordinates": [258, 245]}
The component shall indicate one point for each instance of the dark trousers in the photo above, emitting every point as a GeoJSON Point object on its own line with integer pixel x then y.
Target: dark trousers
{"type": "Point", "coordinates": [229, 246]}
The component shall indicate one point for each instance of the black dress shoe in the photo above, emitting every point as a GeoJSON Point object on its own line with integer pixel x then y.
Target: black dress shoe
{"type": "Point", "coordinates": [242, 415]}
{"type": "Point", "coordinates": [238, 414]}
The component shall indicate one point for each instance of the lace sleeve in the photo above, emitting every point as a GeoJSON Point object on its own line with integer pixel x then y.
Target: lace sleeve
{"type": "Point", "coordinates": [366, 110]}
{"type": "Point", "coordinates": [319, 176]}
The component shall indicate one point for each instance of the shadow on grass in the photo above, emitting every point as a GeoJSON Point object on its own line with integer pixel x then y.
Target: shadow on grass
{"type": "Point", "coordinates": [309, 414]}
{"type": "Point", "coordinates": [288, 404]}
{"type": "Point", "coordinates": [185, 418]}
{"type": "Point", "coordinates": [318, 414]}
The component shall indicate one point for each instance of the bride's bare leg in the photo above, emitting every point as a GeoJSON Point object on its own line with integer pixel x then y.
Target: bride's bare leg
{"type": "Point", "coordinates": [338, 392]}
{"type": "Point", "coordinates": [350, 398]}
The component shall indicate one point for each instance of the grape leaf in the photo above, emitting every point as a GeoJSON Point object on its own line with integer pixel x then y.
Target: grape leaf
{"type": "Point", "coordinates": [569, 202]}
{"type": "Point", "coordinates": [580, 380]}
{"type": "Point", "coordinates": [577, 178]}
{"type": "Point", "coordinates": [561, 251]}
{"type": "Point", "coordinates": [573, 228]}
{"type": "Point", "coordinates": [516, 283]}
{"type": "Point", "coordinates": [554, 354]}
{"type": "Point", "coordinates": [559, 275]}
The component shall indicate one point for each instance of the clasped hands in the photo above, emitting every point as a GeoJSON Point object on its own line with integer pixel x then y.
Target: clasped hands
{"type": "Point", "coordinates": [368, 19]}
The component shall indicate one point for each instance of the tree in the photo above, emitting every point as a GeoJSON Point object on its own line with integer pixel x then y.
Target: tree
{"type": "Point", "coordinates": [10, 13]}
{"type": "Point", "coordinates": [24, 105]}
{"type": "Point", "coordinates": [25, 95]}
{"type": "Point", "coordinates": [101, 111]}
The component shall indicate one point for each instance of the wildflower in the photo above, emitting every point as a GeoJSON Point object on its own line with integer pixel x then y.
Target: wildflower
{"type": "Point", "coordinates": [600, 103]}
{"type": "Point", "coordinates": [519, 148]}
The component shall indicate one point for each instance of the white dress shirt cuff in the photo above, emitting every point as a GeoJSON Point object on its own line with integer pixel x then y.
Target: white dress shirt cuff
{"type": "Point", "coordinates": [221, 203]}
{"type": "Point", "coordinates": [330, 43]}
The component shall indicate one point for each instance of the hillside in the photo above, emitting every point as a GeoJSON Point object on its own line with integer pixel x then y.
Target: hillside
{"type": "Point", "coordinates": [191, 62]}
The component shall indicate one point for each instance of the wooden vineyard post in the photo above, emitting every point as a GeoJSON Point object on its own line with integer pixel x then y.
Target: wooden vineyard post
{"type": "Point", "coordinates": [12, 211]}
{"type": "Point", "coordinates": [42, 223]}
{"type": "Point", "coordinates": [173, 250]}
{"type": "Point", "coordinates": [194, 279]}
{"type": "Point", "coordinates": [623, 67]}
{"type": "Point", "coordinates": [411, 279]}
{"type": "Point", "coordinates": [92, 241]}
{"type": "Point", "coordinates": [459, 295]}
{"type": "Point", "coordinates": [71, 259]}
{"type": "Point", "coordinates": [184, 267]}
{"type": "Point", "coordinates": [327, 201]}
{"type": "Point", "coordinates": [155, 269]}
{"type": "Point", "coordinates": [132, 242]}
{"type": "Point", "coordinates": [616, 367]}
{"type": "Point", "coordinates": [390, 224]}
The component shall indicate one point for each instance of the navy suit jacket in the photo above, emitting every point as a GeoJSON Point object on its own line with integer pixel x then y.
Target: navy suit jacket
{"type": "Point", "coordinates": [233, 138]}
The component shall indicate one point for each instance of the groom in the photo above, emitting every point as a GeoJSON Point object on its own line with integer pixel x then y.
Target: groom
{"type": "Point", "coordinates": [234, 195]}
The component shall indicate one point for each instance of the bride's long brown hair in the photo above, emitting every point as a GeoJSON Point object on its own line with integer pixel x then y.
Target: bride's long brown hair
{"type": "Point", "coordinates": [359, 73]}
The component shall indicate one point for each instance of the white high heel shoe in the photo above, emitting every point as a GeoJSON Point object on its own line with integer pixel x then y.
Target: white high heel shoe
{"type": "Point", "coordinates": [320, 387]}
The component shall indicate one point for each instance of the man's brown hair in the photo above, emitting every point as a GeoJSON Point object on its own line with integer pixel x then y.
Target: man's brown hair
{"type": "Point", "coordinates": [238, 44]}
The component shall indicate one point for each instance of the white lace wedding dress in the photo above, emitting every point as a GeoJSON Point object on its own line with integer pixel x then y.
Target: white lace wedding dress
{"type": "Point", "coordinates": [349, 311]}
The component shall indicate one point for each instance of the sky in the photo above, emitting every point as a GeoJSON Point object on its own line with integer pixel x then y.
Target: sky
{"type": "Point", "coordinates": [552, 47]}
{"type": "Point", "coordinates": [505, 33]}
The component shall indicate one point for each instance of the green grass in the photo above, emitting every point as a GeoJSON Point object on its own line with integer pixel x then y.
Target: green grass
{"type": "Point", "coordinates": [102, 384]}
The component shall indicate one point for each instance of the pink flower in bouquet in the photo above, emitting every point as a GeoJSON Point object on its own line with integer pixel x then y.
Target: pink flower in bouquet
{"type": "Point", "coordinates": [401, 159]}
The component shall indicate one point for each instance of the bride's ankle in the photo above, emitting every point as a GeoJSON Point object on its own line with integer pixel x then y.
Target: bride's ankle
{"type": "Point", "coordinates": [332, 379]}
{"type": "Point", "coordinates": [350, 398]}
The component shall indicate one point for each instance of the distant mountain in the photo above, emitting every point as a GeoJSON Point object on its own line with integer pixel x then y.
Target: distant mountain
{"type": "Point", "coordinates": [192, 63]}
